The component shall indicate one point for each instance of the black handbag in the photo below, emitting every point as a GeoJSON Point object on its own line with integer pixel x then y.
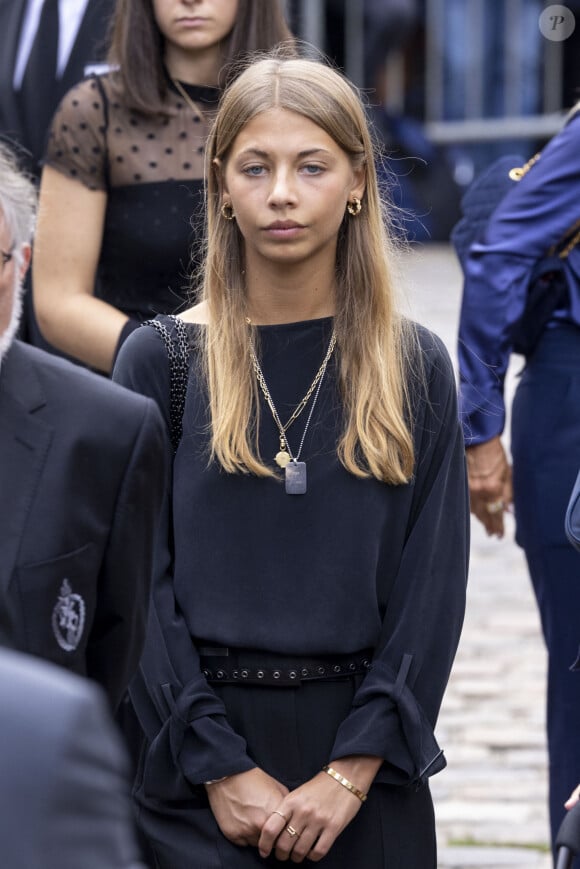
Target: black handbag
{"type": "Point", "coordinates": [572, 520]}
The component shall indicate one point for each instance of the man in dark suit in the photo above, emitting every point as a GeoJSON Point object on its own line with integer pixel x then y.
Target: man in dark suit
{"type": "Point", "coordinates": [83, 468]}
{"type": "Point", "coordinates": [63, 773]}
{"type": "Point", "coordinates": [46, 47]}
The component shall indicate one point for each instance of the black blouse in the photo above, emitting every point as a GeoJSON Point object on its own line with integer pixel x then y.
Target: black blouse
{"type": "Point", "coordinates": [152, 171]}
{"type": "Point", "coordinates": [351, 564]}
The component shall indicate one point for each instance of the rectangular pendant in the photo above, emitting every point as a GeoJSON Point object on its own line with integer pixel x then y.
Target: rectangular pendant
{"type": "Point", "coordinates": [295, 478]}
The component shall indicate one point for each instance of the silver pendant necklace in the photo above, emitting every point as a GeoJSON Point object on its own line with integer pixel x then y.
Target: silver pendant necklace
{"type": "Point", "coordinates": [294, 470]}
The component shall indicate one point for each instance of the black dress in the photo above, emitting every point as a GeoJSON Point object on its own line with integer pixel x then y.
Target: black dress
{"type": "Point", "coordinates": [152, 172]}
{"type": "Point", "coordinates": [351, 564]}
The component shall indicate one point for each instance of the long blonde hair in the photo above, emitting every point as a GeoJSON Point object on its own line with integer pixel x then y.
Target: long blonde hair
{"type": "Point", "coordinates": [373, 339]}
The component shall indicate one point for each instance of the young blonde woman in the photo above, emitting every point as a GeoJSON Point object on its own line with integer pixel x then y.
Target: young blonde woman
{"type": "Point", "coordinates": [311, 589]}
{"type": "Point", "coordinates": [124, 170]}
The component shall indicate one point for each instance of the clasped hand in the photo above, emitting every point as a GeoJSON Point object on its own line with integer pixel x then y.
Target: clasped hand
{"type": "Point", "coordinates": [252, 808]}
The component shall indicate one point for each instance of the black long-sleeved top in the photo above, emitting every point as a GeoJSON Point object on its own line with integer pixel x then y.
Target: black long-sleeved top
{"type": "Point", "coordinates": [351, 564]}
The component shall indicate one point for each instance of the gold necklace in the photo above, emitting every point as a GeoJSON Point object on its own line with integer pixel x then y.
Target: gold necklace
{"type": "Point", "coordinates": [283, 456]}
{"type": "Point", "coordinates": [295, 471]}
{"type": "Point", "coordinates": [179, 87]}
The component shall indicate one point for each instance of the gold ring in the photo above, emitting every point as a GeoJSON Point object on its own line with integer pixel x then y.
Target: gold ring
{"type": "Point", "coordinates": [291, 831]}
{"type": "Point", "coordinates": [494, 507]}
{"type": "Point", "coordinates": [276, 812]}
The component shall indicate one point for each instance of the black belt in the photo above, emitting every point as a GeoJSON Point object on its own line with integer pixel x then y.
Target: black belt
{"type": "Point", "coordinates": [251, 667]}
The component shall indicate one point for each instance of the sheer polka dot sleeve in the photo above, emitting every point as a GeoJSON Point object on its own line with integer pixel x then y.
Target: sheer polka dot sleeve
{"type": "Point", "coordinates": [77, 139]}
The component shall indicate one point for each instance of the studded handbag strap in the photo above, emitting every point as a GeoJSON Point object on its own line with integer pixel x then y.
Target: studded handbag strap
{"type": "Point", "coordinates": [178, 352]}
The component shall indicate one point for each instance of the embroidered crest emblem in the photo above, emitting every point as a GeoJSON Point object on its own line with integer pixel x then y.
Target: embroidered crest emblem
{"type": "Point", "coordinates": [68, 618]}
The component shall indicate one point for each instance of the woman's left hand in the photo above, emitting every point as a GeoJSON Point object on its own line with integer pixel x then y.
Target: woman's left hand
{"type": "Point", "coordinates": [308, 821]}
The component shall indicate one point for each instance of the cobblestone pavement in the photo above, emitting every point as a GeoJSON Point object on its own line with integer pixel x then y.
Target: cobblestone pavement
{"type": "Point", "coordinates": [491, 801]}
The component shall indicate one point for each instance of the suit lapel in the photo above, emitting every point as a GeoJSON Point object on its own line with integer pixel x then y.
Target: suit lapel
{"type": "Point", "coordinates": [11, 15]}
{"type": "Point", "coordinates": [24, 445]}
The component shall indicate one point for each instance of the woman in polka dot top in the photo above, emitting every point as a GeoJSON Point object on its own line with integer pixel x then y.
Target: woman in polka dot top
{"type": "Point", "coordinates": [120, 219]}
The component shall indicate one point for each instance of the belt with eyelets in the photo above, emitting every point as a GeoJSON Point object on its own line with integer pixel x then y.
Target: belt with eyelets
{"type": "Point", "coordinates": [252, 667]}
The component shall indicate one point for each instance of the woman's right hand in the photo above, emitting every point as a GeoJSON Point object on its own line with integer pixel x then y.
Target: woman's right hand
{"type": "Point", "coordinates": [241, 804]}
{"type": "Point", "coordinates": [490, 484]}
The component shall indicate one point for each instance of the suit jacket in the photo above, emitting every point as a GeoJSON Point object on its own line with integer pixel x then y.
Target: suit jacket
{"type": "Point", "coordinates": [89, 48]}
{"type": "Point", "coordinates": [63, 773]}
{"type": "Point", "coordinates": [83, 467]}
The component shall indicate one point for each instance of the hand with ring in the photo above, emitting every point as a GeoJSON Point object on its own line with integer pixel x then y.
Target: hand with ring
{"type": "Point", "coordinates": [490, 484]}
{"type": "Point", "coordinates": [244, 801]}
{"type": "Point", "coordinates": [306, 823]}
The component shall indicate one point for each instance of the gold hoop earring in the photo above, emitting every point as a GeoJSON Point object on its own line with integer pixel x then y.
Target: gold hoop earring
{"type": "Point", "coordinates": [227, 211]}
{"type": "Point", "coordinates": [354, 207]}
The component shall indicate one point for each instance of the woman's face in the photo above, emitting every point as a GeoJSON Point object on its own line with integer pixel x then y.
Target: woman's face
{"type": "Point", "coordinates": [195, 25]}
{"type": "Point", "coordinates": [288, 183]}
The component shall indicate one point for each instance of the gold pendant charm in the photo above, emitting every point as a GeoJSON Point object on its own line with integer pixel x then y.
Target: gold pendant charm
{"type": "Point", "coordinates": [282, 458]}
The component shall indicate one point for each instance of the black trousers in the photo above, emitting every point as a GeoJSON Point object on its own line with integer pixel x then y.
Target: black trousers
{"type": "Point", "coordinates": [546, 458]}
{"type": "Point", "coordinates": [290, 732]}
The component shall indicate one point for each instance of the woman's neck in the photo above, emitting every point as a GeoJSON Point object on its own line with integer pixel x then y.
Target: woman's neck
{"type": "Point", "coordinates": [278, 297]}
{"type": "Point", "coordinates": [199, 67]}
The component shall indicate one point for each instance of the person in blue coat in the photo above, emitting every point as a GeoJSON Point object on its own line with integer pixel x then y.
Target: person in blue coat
{"type": "Point", "coordinates": [539, 217]}
{"type": "Point", "coordinates": [301, 638]}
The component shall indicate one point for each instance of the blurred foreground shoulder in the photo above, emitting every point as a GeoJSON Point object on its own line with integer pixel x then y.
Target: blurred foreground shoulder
{"type": "Point", "coordinates": [63, 772]}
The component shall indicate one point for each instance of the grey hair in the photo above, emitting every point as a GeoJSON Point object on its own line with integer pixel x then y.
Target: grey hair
{"type": "Point", "coordinates": [18, 199]}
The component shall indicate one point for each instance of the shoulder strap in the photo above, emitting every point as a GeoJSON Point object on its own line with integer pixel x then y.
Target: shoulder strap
{"type": "Point", "coordinates": [178, 351]}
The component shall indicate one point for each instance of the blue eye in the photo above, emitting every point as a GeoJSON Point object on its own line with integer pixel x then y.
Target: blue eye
{"type": "Point", "coordinates": [313, 169]}
{"type": "Point", "coordinates": [253, 170]}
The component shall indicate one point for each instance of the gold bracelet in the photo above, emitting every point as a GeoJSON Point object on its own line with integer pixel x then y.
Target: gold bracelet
{"type": "Point", "coordinates": [345, 783]}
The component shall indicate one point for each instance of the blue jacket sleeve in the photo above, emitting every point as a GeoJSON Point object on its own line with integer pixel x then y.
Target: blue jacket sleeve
{"type": "Point", "coordinates": [396, 707]}
{"type": "Point", "coordinates": [535, 215]}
